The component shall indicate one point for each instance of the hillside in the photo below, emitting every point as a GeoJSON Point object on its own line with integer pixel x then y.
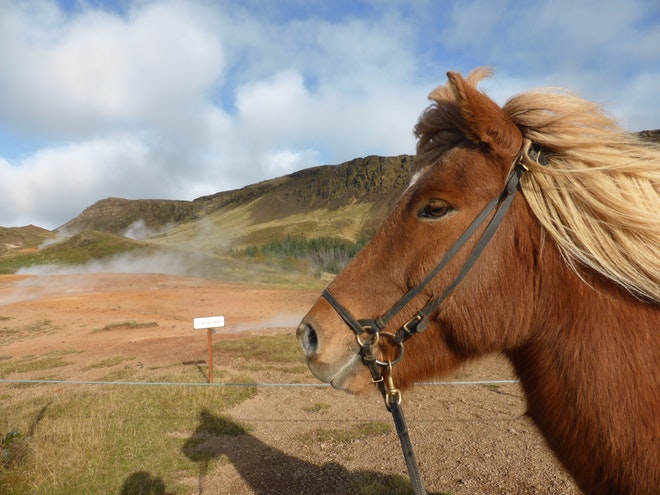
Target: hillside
{"type": "Point", "coordinates": [346, 201]}
{"type": "Point", "coordinates": [22, 239]}
{"type": "Point", "coordinates": [117, 215]}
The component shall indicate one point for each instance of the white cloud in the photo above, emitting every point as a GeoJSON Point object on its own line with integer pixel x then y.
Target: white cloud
{"type": "Point", "coordinates": [41, 188]}
{"type": "Point", "coordinates": [272, 109]}
{"type": "Point", "coordinates": [281, 162]}
{"type": "Point", "coordinates": [85, 73]}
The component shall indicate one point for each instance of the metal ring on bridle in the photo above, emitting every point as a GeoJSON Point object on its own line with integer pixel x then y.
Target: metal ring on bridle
{"type": "Point", "coordinates": [391, 362]}
{"type": "Point", "coordinates": [374, 336]}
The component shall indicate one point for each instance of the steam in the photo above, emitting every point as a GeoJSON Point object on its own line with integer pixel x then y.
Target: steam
{"type": "Point", "coordinates": [62, 235]}
{"type": "Point", "coordinates": [186, 259]}
{"type": "Point", "coordinates": [164, 262]}
{"type": "Point", "coordinates": [140, 231]}
{"type": "Point", "coordinates": [200, 255]}
{"type": "Point", "coordinates": [48, 280]}
{"type": "Point", "coordinates": [288, 320]}
{"type": "Point", "coordinates": [34, 288]}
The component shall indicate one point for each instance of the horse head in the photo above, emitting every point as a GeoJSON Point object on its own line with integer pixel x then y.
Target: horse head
{"type": "Point", "coordinates": [467, 148]}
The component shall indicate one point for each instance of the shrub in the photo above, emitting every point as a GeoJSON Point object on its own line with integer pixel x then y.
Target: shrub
{"type": "Point", "coordinates": [323, 253]}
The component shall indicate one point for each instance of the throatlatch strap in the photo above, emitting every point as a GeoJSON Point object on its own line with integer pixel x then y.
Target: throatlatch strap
{"type": "Point", "coordinates": [425, 313]}
{"type": "Point", "coordinates": [449, 255]}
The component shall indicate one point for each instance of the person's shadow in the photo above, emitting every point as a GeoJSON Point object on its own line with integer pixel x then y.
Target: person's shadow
{"type": "Point", "coordinates": [142, 483]}
{"type": "Point", "coordinates": [269, 471]}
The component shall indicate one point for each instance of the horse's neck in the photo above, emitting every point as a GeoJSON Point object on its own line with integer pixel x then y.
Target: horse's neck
{"type": "Point", "coordinates": [589, 371]}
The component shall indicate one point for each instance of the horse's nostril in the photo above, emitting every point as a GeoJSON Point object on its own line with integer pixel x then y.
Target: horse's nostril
{"type": "Point", "coordinates": [308, 338]}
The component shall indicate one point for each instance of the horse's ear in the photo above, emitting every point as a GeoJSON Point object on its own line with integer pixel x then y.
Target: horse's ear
{"type": "Point", "coordinates": [483, 120]}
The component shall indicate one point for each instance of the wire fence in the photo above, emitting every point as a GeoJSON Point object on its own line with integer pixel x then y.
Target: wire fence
{"type": "Point", "coordinates": [202, 384]}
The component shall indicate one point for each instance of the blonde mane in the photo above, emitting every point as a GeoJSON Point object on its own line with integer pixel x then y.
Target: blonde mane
{"type": "Point", "coordinates": [599, 195]}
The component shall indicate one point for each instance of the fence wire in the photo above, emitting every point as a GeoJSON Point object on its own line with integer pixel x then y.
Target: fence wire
{"type": "Point", "coordinates": [202, 384]}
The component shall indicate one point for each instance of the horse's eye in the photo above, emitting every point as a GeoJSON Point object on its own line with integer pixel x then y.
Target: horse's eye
{"type": "Point", "coordinates": [436, 209]}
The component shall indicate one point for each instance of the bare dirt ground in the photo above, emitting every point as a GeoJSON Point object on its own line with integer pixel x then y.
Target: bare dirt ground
{"type": "Point", "coordinates": [468, 439]}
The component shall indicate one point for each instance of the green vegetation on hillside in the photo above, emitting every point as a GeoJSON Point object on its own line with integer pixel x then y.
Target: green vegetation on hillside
{"type": "Point", "coordinates": [323, 253]}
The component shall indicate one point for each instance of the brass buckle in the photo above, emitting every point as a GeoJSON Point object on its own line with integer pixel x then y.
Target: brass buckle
{"type": "Point", "coordinates": [415, 319]}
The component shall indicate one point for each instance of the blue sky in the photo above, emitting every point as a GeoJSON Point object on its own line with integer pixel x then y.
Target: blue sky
{"type": "Point", "coordinates": [178, 99]}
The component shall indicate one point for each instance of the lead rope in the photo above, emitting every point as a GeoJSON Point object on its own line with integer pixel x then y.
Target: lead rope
{"type": "Point", "coordinates": [393, 404]}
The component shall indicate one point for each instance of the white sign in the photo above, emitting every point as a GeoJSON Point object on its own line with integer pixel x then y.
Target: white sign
{"type": "Point", "coordinates": [209, 322]}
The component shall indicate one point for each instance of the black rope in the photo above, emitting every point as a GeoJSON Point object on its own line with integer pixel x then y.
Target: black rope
{"type": "Point", "coordinates": [407, 448]}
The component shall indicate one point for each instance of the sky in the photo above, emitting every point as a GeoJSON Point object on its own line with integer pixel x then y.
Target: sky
{"type": "Point", "coordinates": [173, 99]}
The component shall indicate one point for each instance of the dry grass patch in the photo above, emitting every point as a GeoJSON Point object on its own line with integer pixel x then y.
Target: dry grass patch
{"type": "Point", "coordinates": [127, 325]}
{"type": "Point", "coordinates": [31, 363]}
{"type": "Point", "coordinates": [95, 438]}
{"type": "Point", "coordinates": [358, 432]}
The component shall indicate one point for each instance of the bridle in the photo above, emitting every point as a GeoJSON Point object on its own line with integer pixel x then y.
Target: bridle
{"type": "Point", "coordinates": [368, 331]}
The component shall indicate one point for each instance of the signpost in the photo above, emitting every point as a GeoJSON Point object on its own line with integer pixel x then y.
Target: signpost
{"type": "Point", "coordinates": [210, 323]}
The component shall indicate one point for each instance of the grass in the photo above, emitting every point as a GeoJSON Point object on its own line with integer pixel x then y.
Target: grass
{"type": "Point", "coordinates": [32, 363]}
{"type": "Point", "coordinates": [122, 375]}
{"type": "Point", "coordinates": [282, 348]}
{"type": "Point", "coordinates": [127, 325]}
{"type": "Point", "coordinates": [105, 363]}
{"type": "Point", "coordinates": [122, 439]}
{"type": "Point", "coordinates": [318, 407]}
{"type": "Point", "coordinates": [361, 431]}
{"type": "Point", "coordinates": [91, 439]}
{"type": "Point", "coordinates": [42, 325]}
{"type": "Point", "coordinates": [77, 250]}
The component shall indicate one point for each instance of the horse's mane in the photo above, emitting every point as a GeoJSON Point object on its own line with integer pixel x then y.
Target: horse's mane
{"type": "Point", "coordinates": [598, 196]}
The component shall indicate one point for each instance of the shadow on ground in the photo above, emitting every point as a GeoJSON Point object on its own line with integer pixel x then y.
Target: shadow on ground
{"type": "Point", "coordinates": [269, 471]}
{"type": "Point", "coordinates": [142, 483]}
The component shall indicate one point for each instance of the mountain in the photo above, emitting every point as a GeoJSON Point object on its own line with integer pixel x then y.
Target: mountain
{"type": "Point", "coordinates": [346, 201]}
{"type": "Point", "coordinates": [329, 208]}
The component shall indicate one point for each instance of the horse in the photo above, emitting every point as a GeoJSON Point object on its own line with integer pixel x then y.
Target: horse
{"type": "Point", "coordinates": [565, 285]}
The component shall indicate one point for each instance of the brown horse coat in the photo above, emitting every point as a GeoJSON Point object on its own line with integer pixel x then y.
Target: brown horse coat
{"type": "Point", "coordinates": [579, 322]}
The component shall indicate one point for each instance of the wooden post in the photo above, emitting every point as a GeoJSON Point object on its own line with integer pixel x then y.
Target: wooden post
{"type": "Point", "coordinates": [209, 333]}
{"type": "Point", "coordinates": [210, 323]}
